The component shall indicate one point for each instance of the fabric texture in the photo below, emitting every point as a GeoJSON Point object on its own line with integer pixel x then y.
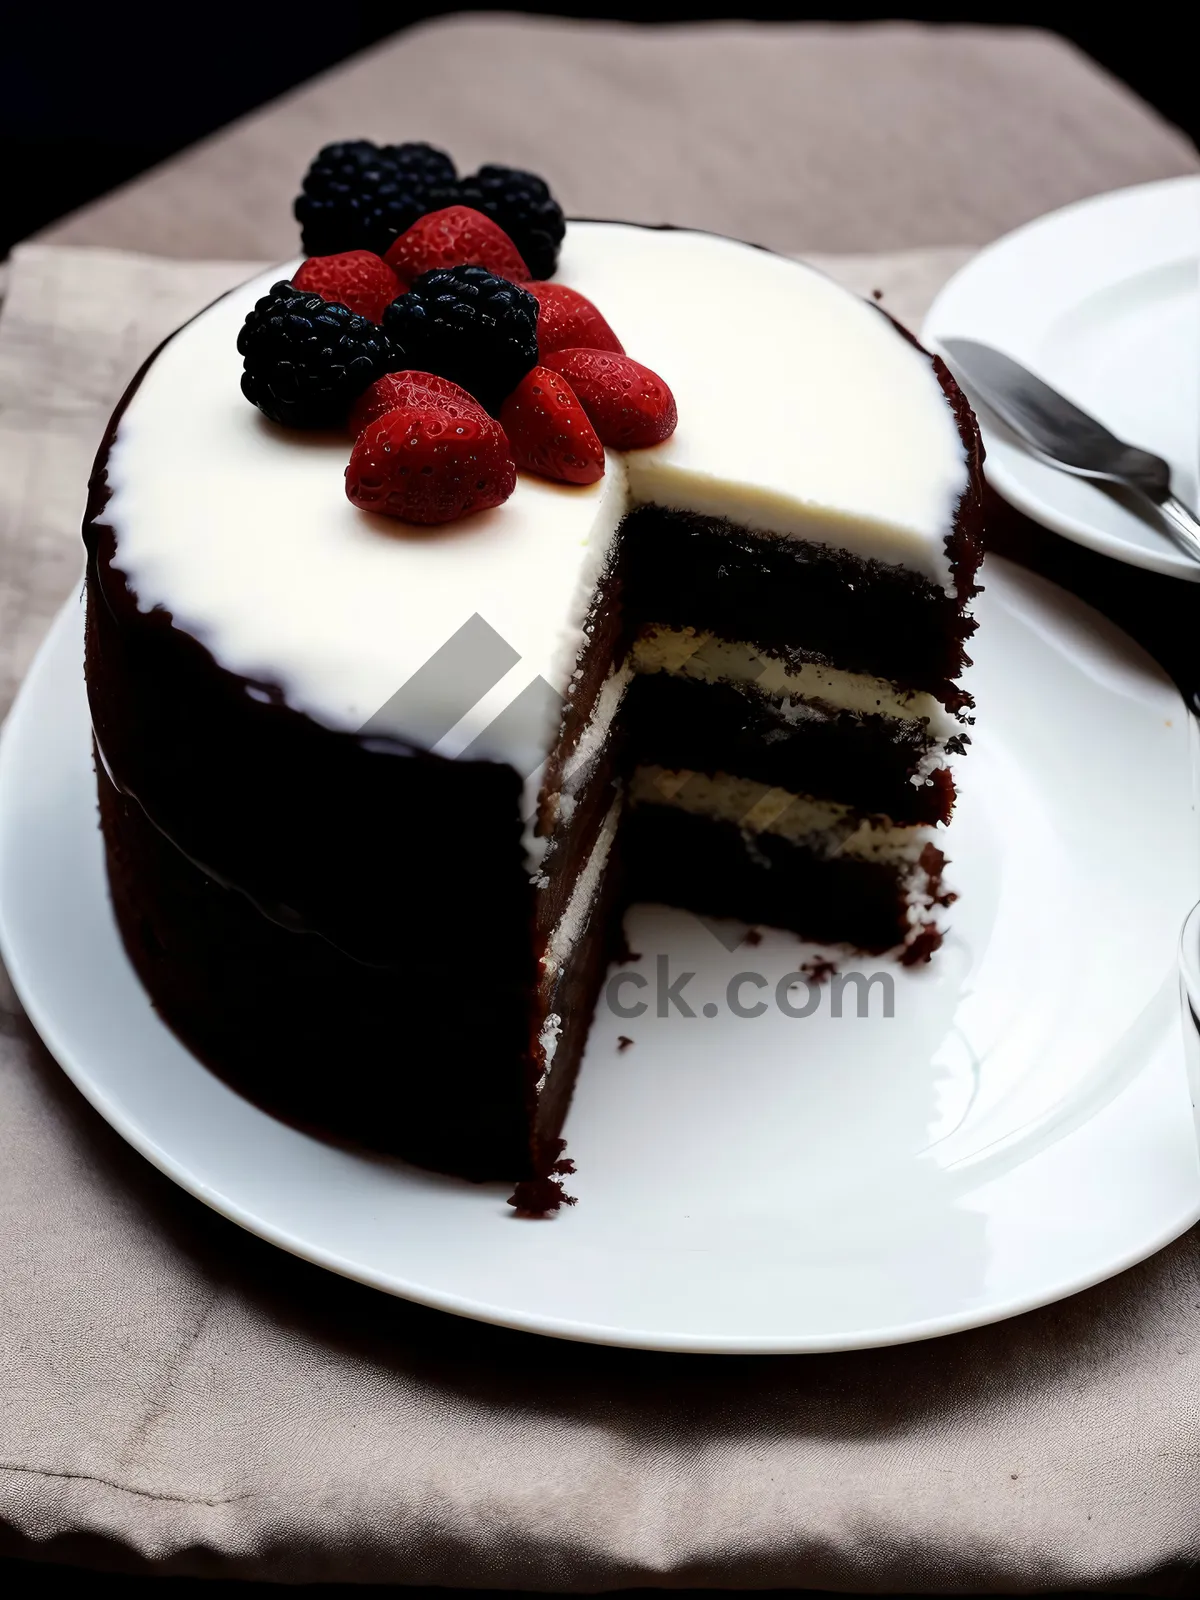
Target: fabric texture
{"type": "Point", "coordinates": [813, 136]}
{"type": "Point", "coordinates": [174, 1391]}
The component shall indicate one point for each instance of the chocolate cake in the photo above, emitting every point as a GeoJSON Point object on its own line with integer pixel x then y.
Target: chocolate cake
{"type": "Point", "coordinates": [375, 796]}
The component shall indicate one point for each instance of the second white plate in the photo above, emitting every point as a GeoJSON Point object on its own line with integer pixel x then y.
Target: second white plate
{"type": "Point", "coordinates": [1102, 300]}
{"type": "Point", "coordinates": [1000, 1129]}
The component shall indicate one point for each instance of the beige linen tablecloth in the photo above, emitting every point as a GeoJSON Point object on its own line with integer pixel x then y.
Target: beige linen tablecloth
{"type": "Point", "coordinates": [806, 136]}
{"type": "Point", "coordinates": [173, 1390]}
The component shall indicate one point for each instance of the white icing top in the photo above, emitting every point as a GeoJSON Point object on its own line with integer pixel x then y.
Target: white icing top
{"type": "Point", "coordinates": [801, 411]}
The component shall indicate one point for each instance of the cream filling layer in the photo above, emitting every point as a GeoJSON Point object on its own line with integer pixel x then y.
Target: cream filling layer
{"type": "Point", "coordinates": [828, 828]}
{"type": "Point", "coordinates": [570, 925]}
{"type": "Point", "coordinates": [583, 894]}
{"type": "Point", "coordinates": [807, 690]}
{"type": "Point", "coordinates": [597, 728]}
{"type": "Point", "coordinates": [548, 1044]}
{"type": "Point", "coordinates": [692, 653]}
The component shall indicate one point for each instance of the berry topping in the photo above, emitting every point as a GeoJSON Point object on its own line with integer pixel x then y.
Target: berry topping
{"type": "Point", "coordinates": [360, 196]}
{"type": "Point", "coordinates": [424, 389]}
{"type": "Point", "coordinates": [524, 207]}
{"type": "Point", "coordinates": [549, 431]}
{"type": "Point", "coordinates": [307, 361]}
{"type": "Point", "coordinates": [355, 278]}
{"type": "Point", "coordinates": [567, 320]}
{"type": "Point", "coordinates": [467, 325]}
{"type": "Point", "coordinates": [420, 465]}
{"type": "Point", "coordinates": [455, 237]}
{"type": "Point", "coordinates": [629, 406]}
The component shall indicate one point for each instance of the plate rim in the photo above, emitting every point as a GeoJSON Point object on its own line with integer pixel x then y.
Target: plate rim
{"type": "Point", "coordinates": [66, 623]}
{"type": "Point", "coordinates": [1166, 562]}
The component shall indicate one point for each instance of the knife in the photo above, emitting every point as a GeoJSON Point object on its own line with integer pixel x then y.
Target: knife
{"type": "Point", "coordinates": [1059, 433]}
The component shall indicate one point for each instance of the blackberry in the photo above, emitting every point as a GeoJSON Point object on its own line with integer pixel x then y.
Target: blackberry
{"type": "Point", "coordinates": [468, 325]}
{"type": "Point", "coordinates": [360, 196]}
{"type": "Point", "coordinates": [307, 360]}
{"type": "Point", "coordinates": [523, 206]}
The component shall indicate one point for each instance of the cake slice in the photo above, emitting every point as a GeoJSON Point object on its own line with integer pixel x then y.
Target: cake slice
{"type": "Point", "coordinates": [375, 797]}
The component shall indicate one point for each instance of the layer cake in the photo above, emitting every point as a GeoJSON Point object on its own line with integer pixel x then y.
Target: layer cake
{"type": "Point", "coordinates": [375, 796]}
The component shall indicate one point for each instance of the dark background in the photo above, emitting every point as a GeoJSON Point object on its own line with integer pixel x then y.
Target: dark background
{"type": "Point", "coordinates": [89, 98]}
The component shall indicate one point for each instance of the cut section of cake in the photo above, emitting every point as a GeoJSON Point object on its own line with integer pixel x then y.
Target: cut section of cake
{"type": "Point", "coordinates": [376, 796]}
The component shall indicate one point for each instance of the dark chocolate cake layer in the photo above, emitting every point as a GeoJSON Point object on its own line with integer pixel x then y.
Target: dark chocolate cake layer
{"type": "Point", "coordinates": [767, 879]}
{"type": "Point", "coordinates": [798, 600]}
{"type": "Point", "coordinates": [421, 1058]}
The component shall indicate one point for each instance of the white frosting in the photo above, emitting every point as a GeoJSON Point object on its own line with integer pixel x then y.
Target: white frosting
{"type": "Point", "coordinates": [801, 411]}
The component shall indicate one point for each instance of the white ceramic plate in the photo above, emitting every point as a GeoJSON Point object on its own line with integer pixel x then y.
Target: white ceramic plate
{"type": "Point", "coordinates": [1102, 300]}
{"type": "Point", "coordinates": [1189, 987]}
{"type": "Point", "coordinates": [1018, 1129]}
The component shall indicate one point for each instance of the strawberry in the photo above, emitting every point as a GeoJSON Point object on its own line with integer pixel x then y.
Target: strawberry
{"type": "Point", "coordinates": [420, 465]}
{"type": "Point", "coordinates": [397, 389]}
{"type": "Point", "coordinates": [455, 237]}
{"type": "Point", "coordinates": [357, 278]}
{"type": "Point", "coordinates": [629, 406]}
{"type": "Point", "coordinates": [567, 320]}
{"type": "Point", "coordinates": [548, 430]}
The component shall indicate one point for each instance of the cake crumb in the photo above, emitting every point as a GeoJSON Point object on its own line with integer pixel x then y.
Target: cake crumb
{"type": "Point", "coordinates": [876, 294]}
{"type": "Point", "coordinates": [920, 949]}
{"type": "Point", "coordinates": [752, 937]}
{"type": "Point", "coordinates": [623, 1043]}
{"type": "Point", "coordinates": [539, 1198]}
{"type": "Point", "coordinates": [818, 969]}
